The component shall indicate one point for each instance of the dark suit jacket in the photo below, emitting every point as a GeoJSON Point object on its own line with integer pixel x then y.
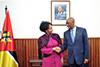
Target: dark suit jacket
{"type": "Point", "coordinates": [62, 16]}
{"type": "Point", "coordinates": [79, 50]}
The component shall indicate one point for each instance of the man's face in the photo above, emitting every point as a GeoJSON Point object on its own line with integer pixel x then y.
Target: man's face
{"type": "Point", "coordinates": [70, 23]}
{"type": "Point", "coordinates": [60, 8]}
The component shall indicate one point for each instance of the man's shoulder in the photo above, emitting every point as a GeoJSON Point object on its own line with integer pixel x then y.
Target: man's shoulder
{"type": "Point", "coordinates": [64, 12]}
{"type": "Point", "coordinates": [81, 28]}
{"type": "Point", "coordinates": [67, 31]}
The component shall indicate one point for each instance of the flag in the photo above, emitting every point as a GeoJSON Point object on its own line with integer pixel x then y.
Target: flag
{"type": "Point", "coordinates": [8, 56]}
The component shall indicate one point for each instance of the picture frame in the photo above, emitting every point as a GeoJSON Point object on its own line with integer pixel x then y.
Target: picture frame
{"type": "Point", "coordinates": [60, 11]}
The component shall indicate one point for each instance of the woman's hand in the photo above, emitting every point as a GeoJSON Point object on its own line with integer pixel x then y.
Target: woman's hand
{"type": "Point", "coordinates": [57, 49]}
{"type": "Point", "coordinates": [62, 61]}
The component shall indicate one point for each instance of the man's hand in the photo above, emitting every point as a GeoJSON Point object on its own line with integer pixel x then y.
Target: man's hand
{"type": "Point", "coordinates": [57, 49]}
{"type": "Point", "coordinates": [86, 61]}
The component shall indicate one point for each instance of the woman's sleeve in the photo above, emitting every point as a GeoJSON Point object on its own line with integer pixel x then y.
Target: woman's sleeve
{"type": "Point", "coordinates": [46, 50]}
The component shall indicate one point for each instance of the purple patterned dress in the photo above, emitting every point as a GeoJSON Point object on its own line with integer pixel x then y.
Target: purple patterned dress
{"type": "Point", "coordinates": [54, 60]}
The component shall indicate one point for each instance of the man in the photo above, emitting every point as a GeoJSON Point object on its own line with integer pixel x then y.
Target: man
{"type": "Point", "coordinates": [76, 40]}
{"type": "Point", "coordinates": [61, 15]}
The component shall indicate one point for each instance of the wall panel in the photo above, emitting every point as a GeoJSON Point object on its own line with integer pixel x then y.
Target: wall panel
{"type": "Point", "coordinates": [27, 49]}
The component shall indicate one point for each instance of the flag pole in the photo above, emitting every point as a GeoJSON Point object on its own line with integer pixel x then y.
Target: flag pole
{"type": "Point", "coordinates": [5, 14]}
{"type": "Point", "coordinates": [6, 9]}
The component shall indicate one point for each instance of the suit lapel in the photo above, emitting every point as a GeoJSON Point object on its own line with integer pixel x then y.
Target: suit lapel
{"type": "Point", "coordinates": [77, 31]}
{"type": "Point", "coordinates": [76, 35]}
{"type": "Point", "coordinates": [69, 35]}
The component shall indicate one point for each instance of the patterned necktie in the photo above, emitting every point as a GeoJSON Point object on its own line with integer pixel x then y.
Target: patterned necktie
{"type": "Point", "coordinates": [58, 16]}
{"type": "Point", "coordinates": [72, 35]}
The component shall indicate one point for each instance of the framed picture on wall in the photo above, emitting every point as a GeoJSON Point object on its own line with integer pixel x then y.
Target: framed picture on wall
{"type": "Point", "coordinates": [60, 11]}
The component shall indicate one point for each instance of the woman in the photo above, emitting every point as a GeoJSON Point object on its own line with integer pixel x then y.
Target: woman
{"type": "Point", "coordinates": [47, 44]}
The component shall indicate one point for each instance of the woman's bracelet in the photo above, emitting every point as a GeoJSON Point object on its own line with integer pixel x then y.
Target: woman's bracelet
{"type": "Point", "coordinates": [61, 58]}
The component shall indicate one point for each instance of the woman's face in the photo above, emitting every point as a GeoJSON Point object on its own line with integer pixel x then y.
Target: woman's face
{"type": "Point", "coordinates": [50, 30]}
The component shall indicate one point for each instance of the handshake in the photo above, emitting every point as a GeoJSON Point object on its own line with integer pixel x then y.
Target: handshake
{"type": "Point", "coordinates": [57, 49]}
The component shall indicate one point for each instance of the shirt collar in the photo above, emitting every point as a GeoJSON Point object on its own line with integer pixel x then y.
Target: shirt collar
{"type": "Point", "coordinates": [74, 28]}
{"type": "Point", "coordinates": [60, 13]}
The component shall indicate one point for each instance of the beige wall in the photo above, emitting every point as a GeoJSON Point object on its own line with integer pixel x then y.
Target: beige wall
{"type": "Point", "coordinates": [26, 16]}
